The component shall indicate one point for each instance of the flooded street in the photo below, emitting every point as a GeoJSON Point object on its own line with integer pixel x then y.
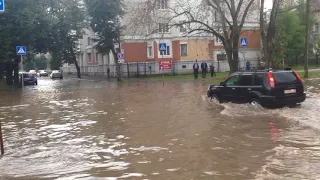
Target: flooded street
{"type": "Point", "coordinates": [74, 129]}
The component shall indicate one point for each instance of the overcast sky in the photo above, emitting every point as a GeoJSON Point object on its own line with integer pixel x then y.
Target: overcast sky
{"type": "Point", "coordinates": [268, 4]}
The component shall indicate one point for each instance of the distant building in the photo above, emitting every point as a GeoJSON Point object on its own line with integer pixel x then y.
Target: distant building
{"type": "Point", "coordinates": [315, 7]}
{"type": "Point", "coordinates": [140, 40]}
{"type": "Point", "coordinates": [141, 44]}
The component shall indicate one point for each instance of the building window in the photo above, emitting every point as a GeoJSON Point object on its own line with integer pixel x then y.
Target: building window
{"type": "Point", "coordinates": [316, 28]}
{"type": "Point", "coordinates": [89, 57]}
{"type": "Point", "coordinates": [184, 49]}
{"type": "Point", "coordinates": [162, 4]}
{"type": "Point", "coordinates": [165, 53]}
{"type": "Point", "coordinates": [182, 26]}
{"type": "Point", "coordinates": [218, 40]}
{"type": "Point", "coordinates": [97, 57]}
{"type": "Point", "coordinates": [89, 41]}
{"type": "Point", "coordinates": [163, 27]}
{"type": "Point", "coordinates": [150, 51]}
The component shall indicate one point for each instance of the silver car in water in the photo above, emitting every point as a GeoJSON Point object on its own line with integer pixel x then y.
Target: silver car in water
{"type": "Point", "coordinates": [56, 74]}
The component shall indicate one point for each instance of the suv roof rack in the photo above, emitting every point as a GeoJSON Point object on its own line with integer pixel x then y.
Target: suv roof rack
{"type": "Point", "coordinates": [265, 70]}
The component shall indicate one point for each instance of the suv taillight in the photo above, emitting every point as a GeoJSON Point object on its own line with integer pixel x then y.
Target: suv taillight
{"type": "Point", "coordinates": [271, 80]}
{"type": "Point", "coordinates": [297, 75]}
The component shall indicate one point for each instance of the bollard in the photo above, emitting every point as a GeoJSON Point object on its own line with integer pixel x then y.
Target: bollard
{"type": "Point", "coordinates": [1, 141]}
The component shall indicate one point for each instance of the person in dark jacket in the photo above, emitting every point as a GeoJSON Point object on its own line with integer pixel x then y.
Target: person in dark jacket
{"type": "Point", "coordinates": [212, 71]}
{"type": "Point", "coordinates": [204, 68]}
{"type": "Point", "coordinates": [108, 72]}
{"type": "Point", "coordinates": [196, 69]}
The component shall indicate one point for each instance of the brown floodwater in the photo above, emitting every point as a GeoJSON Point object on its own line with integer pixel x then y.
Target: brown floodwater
{"type": "Point", "coordinates": [90, 130]}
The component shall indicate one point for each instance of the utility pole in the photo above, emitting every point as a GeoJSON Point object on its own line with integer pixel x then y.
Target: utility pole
{"type": "Point", "coordinates": [306, 59]}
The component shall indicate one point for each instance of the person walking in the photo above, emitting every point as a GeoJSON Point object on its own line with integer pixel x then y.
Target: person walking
{"type": "Point", "coordinates": [204, 68]}
{"type": "Point", "coordinates": [196, 69]}
{"type": "Point", "coordinates": [212, 70]}
{"type": "Point", "coordinates": [108, 72]}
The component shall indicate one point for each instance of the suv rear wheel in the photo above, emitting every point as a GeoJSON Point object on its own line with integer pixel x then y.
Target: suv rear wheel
{"type": "Point", "coordinates": [254, 102]}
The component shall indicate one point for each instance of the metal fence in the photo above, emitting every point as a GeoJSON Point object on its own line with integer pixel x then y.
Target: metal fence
{"type": "Point", "coordinates": [140, 69]}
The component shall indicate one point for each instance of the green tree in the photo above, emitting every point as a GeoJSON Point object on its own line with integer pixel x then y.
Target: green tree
{"type": "Point", "coordinates": [105, 18]}
{"type": "Point", "coordinates": [289, 42]}
{"type": "Point", "coordinates": [17, 27]}
{"type": "Point", "coordinates": [67, 25]}
{"type": "Point", "coordinates": [52, 26]}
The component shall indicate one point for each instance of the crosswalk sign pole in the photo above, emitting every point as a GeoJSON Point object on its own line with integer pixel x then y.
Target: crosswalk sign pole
{"type": "Point", "coordinates": [22, 83]}
{"type": "Point", "coordinates": [21, 63]}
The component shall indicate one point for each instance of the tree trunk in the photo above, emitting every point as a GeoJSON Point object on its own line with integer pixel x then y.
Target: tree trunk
{"type": "Point", "coordinates": [78, 69]}
{"type": "Point", "coordinates": [9, 70]}
{"type": "Point", "coordinates": [75, 62]}
{"type": "Point", "coordinates": [235, 49]}
{"type": "Point", "coordinates": [268, 52]}
{"type": "Point", "coordinates": [16, 74]}
{"type": "Point", "coordinates": [117, 64]}
{"type": "Point", "coordinates": [306, 73]}
{"type": "Point", "coordinates": [267, 39]}
{"type": "Point", "coordinates": [232, 63]}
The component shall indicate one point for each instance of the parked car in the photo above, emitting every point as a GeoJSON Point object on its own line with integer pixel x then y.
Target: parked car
{"type": "Point", "coordinates": [29, 79]}
{"type": "Point", "coordinates": [56, 74]}
{"type": "Point", "coordinates": [33, 72]}
{"type": "Point", "coordinates": [43, 73]}
{"type": "Point", "coordinates": [269, 88]}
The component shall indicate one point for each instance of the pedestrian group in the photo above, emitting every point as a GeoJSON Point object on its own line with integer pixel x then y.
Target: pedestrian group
{"type": "Point", "coordinates": [204, 69]}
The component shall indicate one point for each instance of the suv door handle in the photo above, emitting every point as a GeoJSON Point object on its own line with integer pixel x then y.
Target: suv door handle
{"type": "Point", "coordinates": [249, 89]}
{"type": "Point", "coordinates": [233, 88]}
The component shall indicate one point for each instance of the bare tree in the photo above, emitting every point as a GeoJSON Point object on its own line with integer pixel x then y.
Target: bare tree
{"type": "Point", "coordinates": [223, 19]}
{"type": "Point", "coordinates": [268, 38]}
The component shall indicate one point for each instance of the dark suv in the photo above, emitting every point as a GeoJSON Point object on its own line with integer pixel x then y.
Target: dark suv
{"type": "Point", "coordinates": [269, 88]}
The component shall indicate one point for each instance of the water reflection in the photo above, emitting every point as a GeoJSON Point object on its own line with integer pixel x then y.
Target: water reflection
{"type": "Point", "coordinates": [74, 129]}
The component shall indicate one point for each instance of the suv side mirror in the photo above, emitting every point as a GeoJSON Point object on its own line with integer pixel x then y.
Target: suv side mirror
{"type": "Point", "coordinates": [222, 84]}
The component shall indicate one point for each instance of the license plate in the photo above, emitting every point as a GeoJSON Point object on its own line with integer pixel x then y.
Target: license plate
{"type": "Point", "coordinates": [290, 91]}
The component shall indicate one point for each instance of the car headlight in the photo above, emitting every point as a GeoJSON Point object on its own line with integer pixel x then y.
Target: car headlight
{"type": "Point", "coordinates": [209, 87]}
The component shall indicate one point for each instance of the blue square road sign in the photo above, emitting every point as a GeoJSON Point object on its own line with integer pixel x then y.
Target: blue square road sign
{"type": "Point", "coordinates": [21, 50]}
{"type": "Point", "coordinates": [1, 5]}
{"type": "Point", "coordinates": [243, 42]}
{"type": "Point", "coordinates": [162, 47]}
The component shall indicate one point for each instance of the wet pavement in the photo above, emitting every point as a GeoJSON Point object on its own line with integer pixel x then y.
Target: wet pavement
{"type": "Point", "coordinates": [72, 129]}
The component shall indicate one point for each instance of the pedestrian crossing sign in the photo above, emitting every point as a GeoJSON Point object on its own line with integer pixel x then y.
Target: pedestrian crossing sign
{"type": "Point", "coordinates": [21, 50]}
{"type": "Point", "coordinates": [243, 42]}
{"type": "Point", "coordinates": [162, 47]}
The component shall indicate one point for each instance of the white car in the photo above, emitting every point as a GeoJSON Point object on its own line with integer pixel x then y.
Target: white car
{"type": "Point", "coordinates": [32, 72]}
{"type": "Point", "coordinates": [56, 74]}
{"type": "Point", "coordinates": [43, 73]}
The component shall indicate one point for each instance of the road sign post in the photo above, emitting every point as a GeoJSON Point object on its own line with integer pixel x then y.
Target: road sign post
{"type": "Point", "coordinates": [162, 49]}
{"type": "Point", "coordinates": [21, 51]}
{"type": "Point", "coordinates": [2, 8]}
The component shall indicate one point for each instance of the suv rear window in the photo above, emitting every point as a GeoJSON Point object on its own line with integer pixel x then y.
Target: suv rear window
{"type": "Point", "coordinates": [285, 77]}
